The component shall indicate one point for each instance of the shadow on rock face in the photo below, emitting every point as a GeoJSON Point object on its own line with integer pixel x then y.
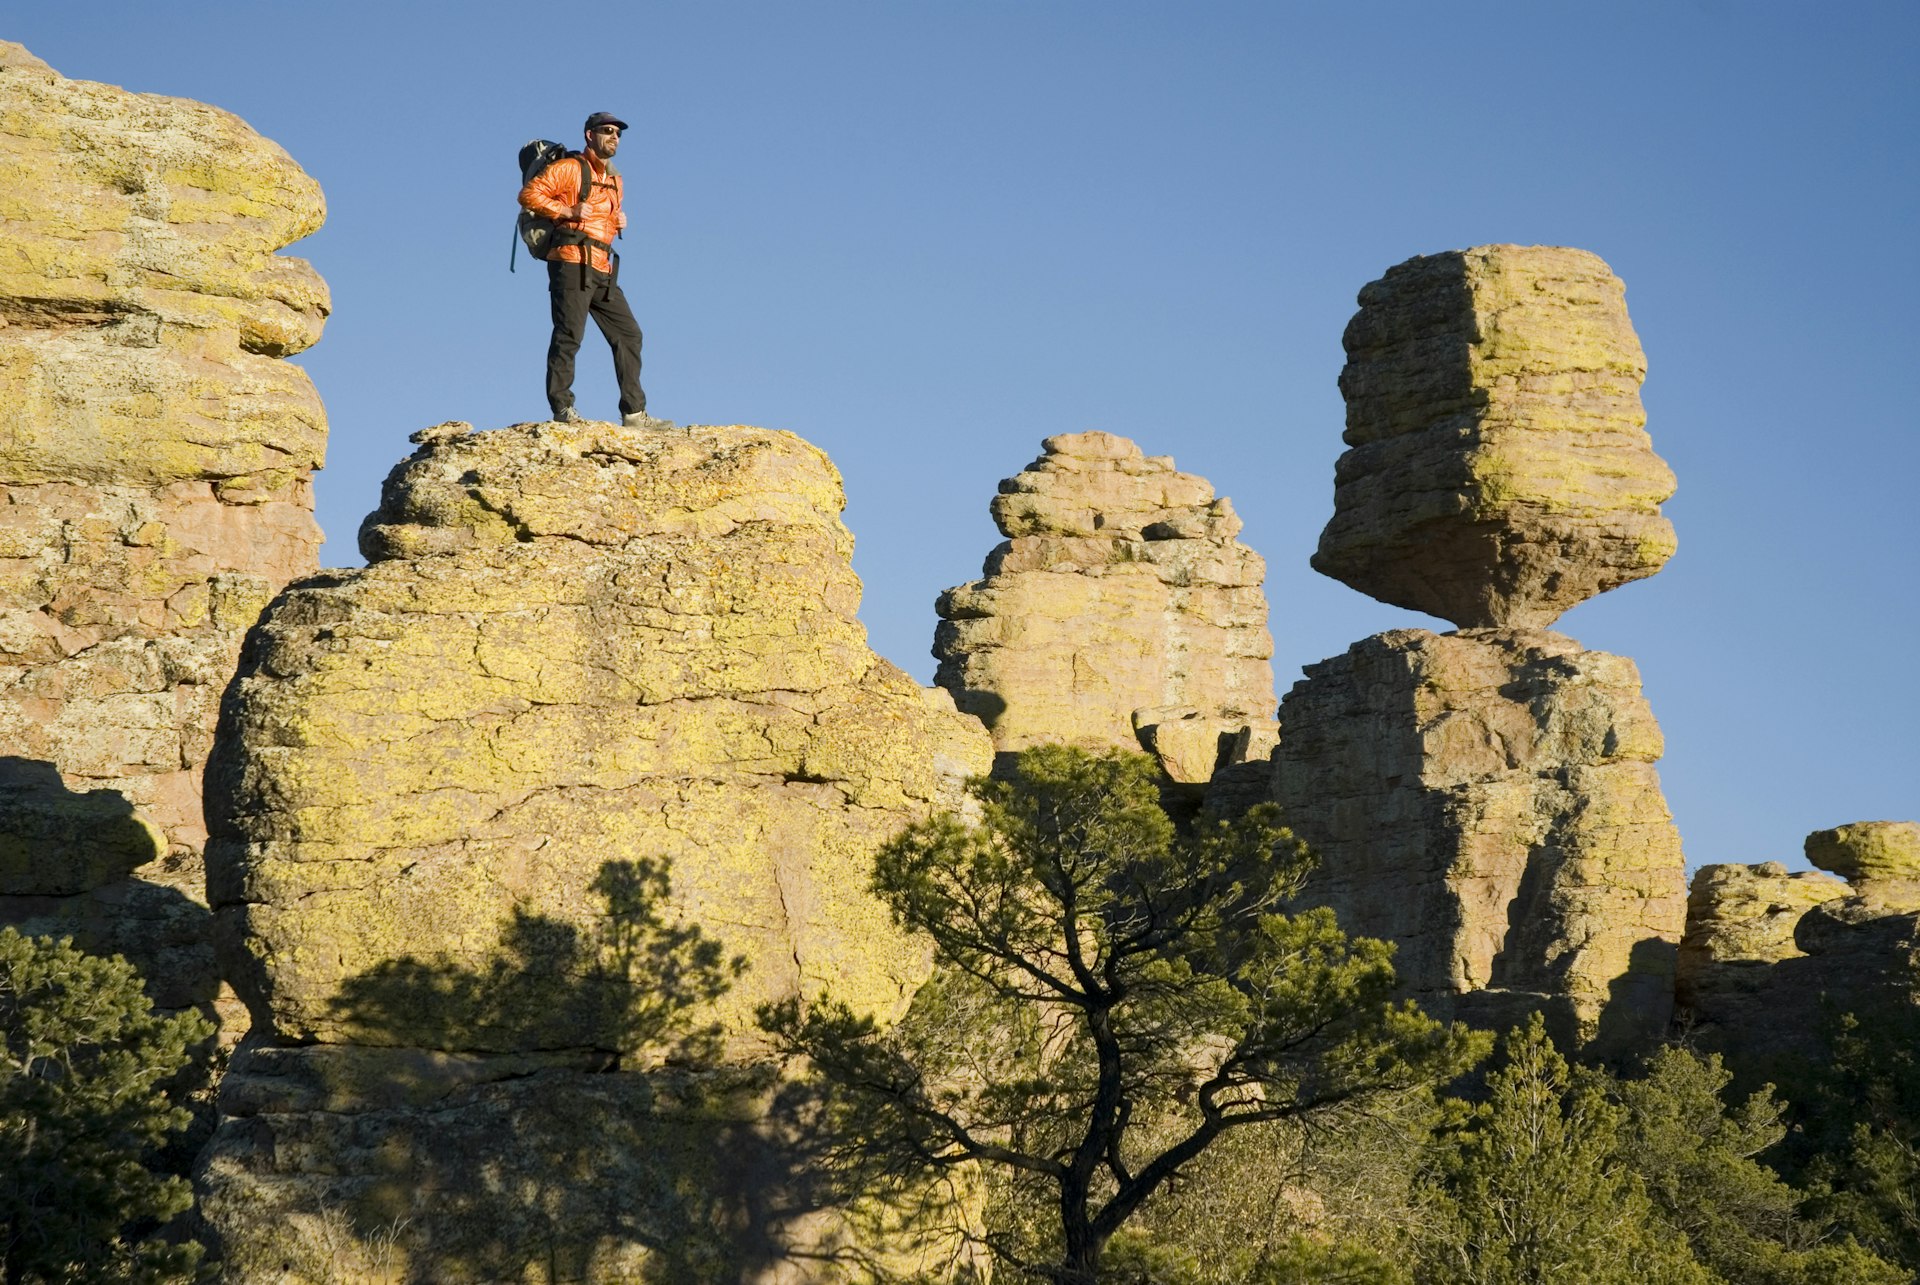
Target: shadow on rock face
{"type": "Point", "coordinates": [549, 986]}
{"type": "Point", "coordinates": [1639, 1002]}
{"type": "Point", "coordinates": [552, 1112]}
{"type": "Point", "coordinates": [60, 842]}
{"type": "Point", "coordinates": [67, 869]}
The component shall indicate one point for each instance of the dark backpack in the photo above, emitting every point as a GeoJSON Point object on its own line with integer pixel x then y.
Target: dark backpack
{"type": "Point", "coordinates": [536, 232]}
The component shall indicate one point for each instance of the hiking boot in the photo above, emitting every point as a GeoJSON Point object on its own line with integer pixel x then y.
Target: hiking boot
{"type": "Point", "coordinates": [566, 415]}
{"type": "Point", "coordinates": [640, 419]}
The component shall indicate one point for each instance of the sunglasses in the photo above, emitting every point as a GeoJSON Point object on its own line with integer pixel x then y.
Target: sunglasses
{"type": "Point", "coordinates": [606, 129]}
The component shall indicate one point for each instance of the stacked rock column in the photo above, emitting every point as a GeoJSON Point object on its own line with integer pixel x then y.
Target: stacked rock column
{"type": "Point", "coordinates": [1120, 612]}
{"type": "Point", "coordinates": [155, 462]}
{"type": "Point", "coordinates": [1487, 798]}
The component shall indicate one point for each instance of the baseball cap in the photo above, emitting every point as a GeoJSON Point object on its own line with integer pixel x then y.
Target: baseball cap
{"type": "Point", "coordinates": [605, 118]}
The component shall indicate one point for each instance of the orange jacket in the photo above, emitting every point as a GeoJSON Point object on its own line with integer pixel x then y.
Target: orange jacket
{"type": "Point", "coordinates": [554, 191]}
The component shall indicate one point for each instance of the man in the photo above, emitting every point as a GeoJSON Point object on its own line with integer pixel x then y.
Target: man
{"type": "Point", "coordinates": [583, 271]}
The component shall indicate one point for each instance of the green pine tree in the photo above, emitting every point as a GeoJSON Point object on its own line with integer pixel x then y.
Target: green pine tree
{"type": "Point", "coordinates": [1698, 1159]}
{"type": "Point", "coordinates": [1116, 997]}
{"type": "Point", "coordinates": [1533, 1189]}
{"type": "Point", "coordinates": [84, 1107]}
{"type": "Point", "coordinates": [1861, 1113]}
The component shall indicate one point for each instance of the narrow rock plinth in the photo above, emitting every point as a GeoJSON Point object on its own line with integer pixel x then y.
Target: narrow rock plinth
{"type": "Point", "coordinates": [1498, 469]}
{"type": "Point", "coordinates": [155, 462]}
{"type": "Point", "coordinates": [1120, 612]}
{"type": "Point", "coordinates": [590, 760]}
{"type": "Point", "coordinates": [1488, 801]}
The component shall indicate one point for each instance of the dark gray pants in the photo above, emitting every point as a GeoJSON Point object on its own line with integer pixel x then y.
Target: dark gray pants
{"type": "Point", "coordinates": [574, 295]}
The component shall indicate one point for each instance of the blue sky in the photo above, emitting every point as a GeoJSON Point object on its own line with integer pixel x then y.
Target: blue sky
{"type": "Point", "coordinates": [924, 235]}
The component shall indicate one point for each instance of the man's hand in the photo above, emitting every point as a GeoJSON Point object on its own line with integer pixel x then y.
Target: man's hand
{"type": "Point", "coordinates": [578, 212]}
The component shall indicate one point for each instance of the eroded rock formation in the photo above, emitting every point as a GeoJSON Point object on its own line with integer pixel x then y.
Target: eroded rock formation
{"type": "Point", "coordinates": [1880, 859]}
{"type": "Point", "coordinates": [1771, 959]}
{"type": "Point", "coordinates": [155, 465]}
{"type": "Point", "coordinates": [1119, 612]}
{"type": "Point", "coordinates": [1487, 798]}
{"type": "Point", "coordinates": [596, 719]}
{"type": "Point", "coordinates": [1498, 470]}
{"type": "Point", "coordinates": [1488, 801]}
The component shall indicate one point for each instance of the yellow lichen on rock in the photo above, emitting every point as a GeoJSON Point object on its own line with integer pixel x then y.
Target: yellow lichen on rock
{"type": "Point", "coordinates": [1488, 801]}
{"type": "Point", "coordinates": [144, 303]}
{"type": "Point", "coordinates": [575, 646]}
{"type": "Point", "coordinates": [1880, 859]}
{"type": "Point", "coordinates": [155, 464]}
{"type": "Point", "coordinates": [1498, 469]}
{"type": "Point", "coordinates": [493, 818]}
{"type": "Point", "coordinates": [1121, 601]}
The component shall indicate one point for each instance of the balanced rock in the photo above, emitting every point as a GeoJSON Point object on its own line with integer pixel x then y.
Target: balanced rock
{"type": "Point", "coordinates": [1880, 859]}
{"type": "Point", "coordinates": [596, 721]}
{"type": "Point", "coordinates": [1120, 612]}
{"type": "Point", "coordinates": [1498, 469]}
{"type": "Point", "coordinates": [1488, 801]}
{"type": "Point", "coordinates": [155, 463]}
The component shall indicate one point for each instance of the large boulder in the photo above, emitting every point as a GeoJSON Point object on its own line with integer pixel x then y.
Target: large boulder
{"type": "Point", "coordinates": [1498, 469]}
{"type": "Point", "coordinates": [1488, 801]}
{"type": "Point", "coordinates": [1120, 612]}
{"type": "Point", "coordinates": [590, 760]}
{"type": "Point", "coordinates": [156, 453]}
{"type": "Point", "coordinates": [1881, 859]}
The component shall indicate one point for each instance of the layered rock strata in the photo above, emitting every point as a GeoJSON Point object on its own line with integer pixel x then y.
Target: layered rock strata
{"type": "Point", "coordinates": [1770, 959]}
{"type": "Point", "coordinates": [1488, 801]}
{"type": "Point", "coordinates": [1498, 470]}
{"type": "Point", "coordinates": [1119, 612]}
{"type": "Point", "coordinates": [596, 721]}
{"type": "Point", "coordinates": [156, 453]}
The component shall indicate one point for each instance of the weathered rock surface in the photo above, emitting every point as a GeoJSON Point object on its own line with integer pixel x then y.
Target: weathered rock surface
{"type": "Point", "coordinates": [1498, 469]}
{"type": "Point", "coordinates": [1488, 800]}
{"type": "Point", "coordinates": [1120, 612]}
{"type": "Point", "coordinates": [1746, 914]}
{"type": "Point", "coordinates": [155, 463]}
{"type": "Point", "coordinates": [1881, 859]}
{"type": "Point", "coordinates": [1740, 926]}
{"type": "Point", "coordinates": [596, 718]}
{"type": "Point", "coordinates": [1770, 959]}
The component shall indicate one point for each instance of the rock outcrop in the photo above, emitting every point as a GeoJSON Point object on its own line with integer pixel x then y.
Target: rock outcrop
{"type": "Point", "coordinates": [1880, 859]}
{"type": "Point", "coordinates": [1120, 612]}
{"type": "Point", "coordinates": [1498, 469]}
{"type": "Point", "coordinates": [155, 465]}
{"type": "Point", "coordinates": [1488, 801]}
{"type": "Point", "coordinates": [1770, 959]}
{"type": "Point", "coordinates": [495, 814]}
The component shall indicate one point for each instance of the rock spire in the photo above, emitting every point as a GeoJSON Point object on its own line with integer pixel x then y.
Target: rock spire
{"type": "Point", "coordinates": [1119, 612]}
{"type": "Point", "coordinates": [155, 461]}
{"type": "Point", "coordinates": [1487, 798]}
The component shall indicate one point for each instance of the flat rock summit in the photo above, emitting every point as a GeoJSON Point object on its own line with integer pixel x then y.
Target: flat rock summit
{"type": "Point", "coordinates": [588, 761]}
